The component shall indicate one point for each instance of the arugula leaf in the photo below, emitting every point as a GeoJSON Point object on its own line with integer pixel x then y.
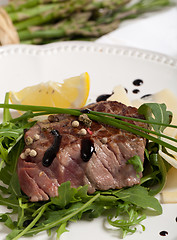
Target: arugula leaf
{"type": "Point", "coordinates": [55, 213]}
{"type": "Point", "coordinates": [10, 168]}
{"type": "Point", "coordinates": [137, 164]}
{"type": "Point", "coordinates": [10, 202]}
{"type": "Point", "coordinates": [128, 225]}
{"type": "Point", "coordinates": [14, 186]}
{"type": "Point", "coordinates": [156, 112]}
{"type": "Point", "coordinates": [81, 193]}
{"type": "Point", "coordinates": [58, 220]}
{"type": "Point", "coordinates": [157, 161]}
{"type": "Point", "coordinates": [13, 234]}
{"type": "Point", "coordinates": [7, 221]}
{"type": "Point", "coordinates": [139, 196]}
{"type": "Point", "coordinates": [65, 195]}
{"type": "Point", "coordinates": [3, 152]}
{"type": "Point", "coordinates": [9, 131]}
{"type": "Point", "coordinates": [61, 230]}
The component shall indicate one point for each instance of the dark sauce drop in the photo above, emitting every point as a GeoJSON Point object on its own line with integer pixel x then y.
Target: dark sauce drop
{"type": "Point", "coordinates": [103, 97]}
{"type": "Point", "coordinates": [137, 82]}
{"type": "Point", "coordinates": [163, 233]}
{"type": "Point", "coordinates": [145, 96]}
{"type": "Point", "coordinates": [87, 149]}
{"type": "Point", "coordinates": [136, 91]}
{"type": "Point", "coordinates": [85, 110]}
{"type": "Point", "coordinates": [51, 152]}
{"type": "Point", "coordinates": [126, 90]}
{"type": "Point", "coordinates": [176, 219]}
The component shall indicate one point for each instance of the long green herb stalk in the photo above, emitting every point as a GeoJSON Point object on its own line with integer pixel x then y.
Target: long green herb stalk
{"type": "Point", "coordinates": [125, 205]}
{"type": "Point", "coordinates": [45, 21]}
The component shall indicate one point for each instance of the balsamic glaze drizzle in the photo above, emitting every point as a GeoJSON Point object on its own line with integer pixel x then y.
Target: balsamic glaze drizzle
{"type": "Point", "coordinates": [51, 152]}
{"type": "Point", "coordinates": [103, 97]}
{"type": "Point", "coordinates": [85, 110]}
{"type": "Point", "coordinates": [87, 149]}
{"type": "Point", "coordinates": [145, 96]}
{"type": "Point", "coordinates": [137, 82]}
{"type": "Point", "coordinates": [126, 90]}
{"type": "Point", "coordinates": [163, 233]}
{"type": "Point", "coordinates": [136, 91]}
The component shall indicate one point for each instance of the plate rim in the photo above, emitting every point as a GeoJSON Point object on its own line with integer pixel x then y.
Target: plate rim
{"type": "Point", "coordinates": [85, 46]}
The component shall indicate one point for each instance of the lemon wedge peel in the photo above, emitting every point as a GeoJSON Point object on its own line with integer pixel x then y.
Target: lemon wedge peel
{"type": "Point", "coordinates": [72, 93]}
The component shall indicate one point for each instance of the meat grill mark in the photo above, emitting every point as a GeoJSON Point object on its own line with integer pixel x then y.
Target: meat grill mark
{"type": "Point", "coordinates": [106, 168]}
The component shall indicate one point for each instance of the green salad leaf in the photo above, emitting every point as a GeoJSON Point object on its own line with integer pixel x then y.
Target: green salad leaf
{"type": "Point", "coordinates": [139, 196]}
{"type": "Point", "coordinates": [156, 112]}
{"type": "Point", "coordinates": [137, 164]}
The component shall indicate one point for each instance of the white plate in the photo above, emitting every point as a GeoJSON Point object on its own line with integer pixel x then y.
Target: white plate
{"type": "Point", "coordinates": [108, 66]}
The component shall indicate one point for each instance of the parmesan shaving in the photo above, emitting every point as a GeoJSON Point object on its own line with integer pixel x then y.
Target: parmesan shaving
{"type": "Point", "coordinates": [120, 95]}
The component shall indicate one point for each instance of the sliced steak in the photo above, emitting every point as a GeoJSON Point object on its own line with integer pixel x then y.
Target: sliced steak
{"type": "Point", "coordinates": [98, 159]}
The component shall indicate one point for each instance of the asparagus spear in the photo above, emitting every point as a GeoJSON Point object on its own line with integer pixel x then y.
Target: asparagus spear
{"type": "Point", "coordinates": [32, 12]}
{"type": "Point", "coordinates": [64, 10]}
{"type": "Point", "coordinates": [69, 29]}
{"type": "Point", "coordinates": [92, 30]}
{"type": "Point", "coordinates": [105, 8]}
{"type": "Point", "coordinates": [143, 6]}
{"type": "Point", "coordinates": [64, 28]}
{"type": "Point", "coordinates": [134, 11]}
{"type": "Point", "coordinates": [18, 5]}
{"type": "Point", "coordinates": [40, 41]}
{"type": "Point", "coordinates": [108, 4]}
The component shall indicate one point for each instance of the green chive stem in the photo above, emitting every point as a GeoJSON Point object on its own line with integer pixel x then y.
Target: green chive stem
{"type": "Point", "coordinates": [134, 119]}
{"type": "Point", "coordinates": [64, 219]}
{"type": "Point", "coordinates": [36, 219]}
{"type": "Point", "coordinates": [99, 116]}
{"type": "Point", "coordinates": [146, 130]}
{"type": "Point", "coordinates": [132, 130]}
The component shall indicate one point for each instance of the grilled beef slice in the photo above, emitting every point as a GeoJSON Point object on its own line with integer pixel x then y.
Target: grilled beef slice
{"type": "Point", "coordinates": [105, 168]}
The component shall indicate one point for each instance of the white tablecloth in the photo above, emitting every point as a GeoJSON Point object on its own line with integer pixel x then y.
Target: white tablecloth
{"type": "Point", "coordinates": [155, 31]}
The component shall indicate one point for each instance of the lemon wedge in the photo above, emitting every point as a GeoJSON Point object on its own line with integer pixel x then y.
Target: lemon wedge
{"type": "Point", "coordinates": [72, 93]}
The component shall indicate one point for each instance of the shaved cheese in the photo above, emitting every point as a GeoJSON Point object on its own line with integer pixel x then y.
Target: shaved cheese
{"type": "Point", "coordinates": [168, 197]}
{"type": "Point", "coordinates": [169, 193]}
{"type": "Point", "coordinates": [120, 95]}
{"type": "Point", "coordinates": [169, 159]}
{"type": "Point", "coordinates": [138, 102]}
